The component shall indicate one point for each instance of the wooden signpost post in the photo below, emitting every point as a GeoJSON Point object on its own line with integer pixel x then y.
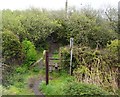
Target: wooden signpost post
{"type": "Point", "coordinates": [71, 48]}
{"type": "Point", "coordinates": [47, 67]}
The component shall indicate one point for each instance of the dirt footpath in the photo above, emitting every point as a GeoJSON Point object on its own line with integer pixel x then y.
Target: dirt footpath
{"type": "Point", "coordinates": [34, 85]}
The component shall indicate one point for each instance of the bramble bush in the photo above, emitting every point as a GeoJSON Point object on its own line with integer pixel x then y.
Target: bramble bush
{"type": "Point", "coordinates": [93, 66]}
{"type": "Point", "coordinates": [86, 56]}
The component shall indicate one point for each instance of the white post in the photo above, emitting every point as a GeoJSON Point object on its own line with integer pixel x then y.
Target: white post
{"type": "Point", "coordinates": [71, 48]}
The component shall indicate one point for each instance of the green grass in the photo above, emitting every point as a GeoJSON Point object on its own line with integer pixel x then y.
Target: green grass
{"type": "Point", "coordinates": [64, 84]}
{"type": "Point", "coordinates": [56, 55]}
{"type": "Point", "coordinates": [14, 90]}
{"type": "Point", "coordinates": [20, 81]}
{"type": "Point", "coordinates": [55, 86]}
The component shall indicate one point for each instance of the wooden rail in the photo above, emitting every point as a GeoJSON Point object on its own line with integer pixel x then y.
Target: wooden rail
{"type": "Point", "coordinates": [54, 58]}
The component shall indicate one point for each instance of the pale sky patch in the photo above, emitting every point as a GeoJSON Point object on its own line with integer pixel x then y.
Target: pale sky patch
{"type": "Point", "coordinates": [55, 4]}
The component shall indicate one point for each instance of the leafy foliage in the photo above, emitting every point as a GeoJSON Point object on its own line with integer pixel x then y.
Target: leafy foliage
{"type": "Point", "coordinates": [30, 52]}
{"type": "Point", "coordinates": [19, 82]}
{"type": "Point", "coordinates": [93, 66]}
{"type": "Point", "coordinates": [87, 90]}
{"type": "Point", "coordinates": [27, 30]}
{"type": "Point", "coordinates": [66, 85]}
{"type": "Point", "coordinates": [114, 46]}
{"type": "Point", "coordinates": [87, 26]}
{"type": "Point", "coordinates": [12, 22]}
{"type": "Point", "coordinates": [11, 48]}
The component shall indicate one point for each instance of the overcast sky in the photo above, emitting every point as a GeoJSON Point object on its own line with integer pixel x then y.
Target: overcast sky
{"type": "Point", "coordinates": [55, 4]}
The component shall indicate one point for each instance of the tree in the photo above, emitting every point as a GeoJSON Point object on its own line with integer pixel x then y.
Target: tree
{"type": "Point", "coordinates": [12, 22]}
{"type": "Point", "coordinates": [112, 17]}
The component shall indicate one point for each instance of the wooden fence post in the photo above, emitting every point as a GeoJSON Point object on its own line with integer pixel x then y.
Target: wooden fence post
{"type": "Point", "coordinates": [47, 67]}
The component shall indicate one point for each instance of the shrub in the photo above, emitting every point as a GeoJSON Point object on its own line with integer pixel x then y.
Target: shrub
{"type": "Point", "coordinates": [11, 48]}
{"type": "Point", "coordinates": [93, 66]}
{"type": "Point", "coordinates": [20, 70]}
{"type": "Point", "coordinates": [80, 56]}
{"type": "Point", "coordinates": [66, 85]}
{"type": "Point", "coordinates": [30, 52]}
{"type": "Point", "coordinates": [65, 54]}
{"type": "Point", "coordinates": [88, 57]}
{"type": "Point", "coordinates": [114, 46]}
{"type": "Point", "coordinates": [75, 88]}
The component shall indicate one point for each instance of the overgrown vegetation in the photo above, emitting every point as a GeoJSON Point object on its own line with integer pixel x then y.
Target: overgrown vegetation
{"type": "Point", "coordinates": [98, 67]}
{"type": "Point", "coordinates": [27, 33]}
{"type": "Point", "coordinates": [66, 85]}
{"type": "Point", "coordinates": [19, 82]}
{"type": "Point", "coordinates": [11, 48]}
{"type": "Point", "coordinates": [30, 52]}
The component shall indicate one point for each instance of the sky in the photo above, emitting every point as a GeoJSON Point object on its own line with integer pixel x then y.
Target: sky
{"type": "Point", "coordinates": [55, 4]}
